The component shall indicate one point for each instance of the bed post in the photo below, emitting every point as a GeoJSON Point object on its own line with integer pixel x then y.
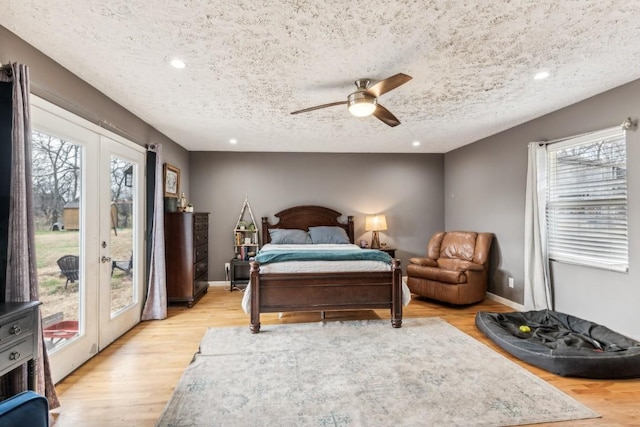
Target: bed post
{"type": "Point", "coordinates": [396, 300]}
{"type": "Point", "coordinates": [254, 277]}
{"type": "Point", "coordinates": [351, 228]}
{"type": "Point", "coordinates": [265, 230]}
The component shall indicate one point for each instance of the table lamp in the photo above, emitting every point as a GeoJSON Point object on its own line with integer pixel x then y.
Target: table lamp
{"type": "Point", "coordinates": [374, 224]}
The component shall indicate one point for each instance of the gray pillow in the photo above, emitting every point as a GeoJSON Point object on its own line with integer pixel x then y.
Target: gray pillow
{"type": "Point", "coordinates": [324, 235]}
{"type": "Point", "coordinates": [291, 236]}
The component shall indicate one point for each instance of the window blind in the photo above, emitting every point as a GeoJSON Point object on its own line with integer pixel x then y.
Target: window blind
{"type": "Point", "coordinates": [586, 208]}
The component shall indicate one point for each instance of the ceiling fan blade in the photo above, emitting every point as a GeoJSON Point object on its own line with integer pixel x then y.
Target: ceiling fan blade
{"type": "Point", "coordinates": [317, 107]}
{"type": "Point", "coordinates": [385, 115]}
{"type": "Point", "coordinates": [384, 86]}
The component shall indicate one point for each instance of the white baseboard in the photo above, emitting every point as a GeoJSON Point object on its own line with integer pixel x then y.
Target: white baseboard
{"type": "Point", "coordinates": [219, 283]}
{"type": "Point", "coordinates": [507, 302]}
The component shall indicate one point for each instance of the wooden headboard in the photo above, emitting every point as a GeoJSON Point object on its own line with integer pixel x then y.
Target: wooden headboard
{"type": "Point", "coordinates": [303, 217]}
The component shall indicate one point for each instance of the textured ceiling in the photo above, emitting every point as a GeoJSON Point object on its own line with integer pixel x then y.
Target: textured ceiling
{"type": "Point", "coordinates": [251, 62]}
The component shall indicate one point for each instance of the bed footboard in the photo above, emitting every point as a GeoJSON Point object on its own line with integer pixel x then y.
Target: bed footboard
{"type": "Point", "coordinates": [279, 292]}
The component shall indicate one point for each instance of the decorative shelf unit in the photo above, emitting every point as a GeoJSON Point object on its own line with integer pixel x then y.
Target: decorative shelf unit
{"type": "Point", "coordinates": [245, 246]}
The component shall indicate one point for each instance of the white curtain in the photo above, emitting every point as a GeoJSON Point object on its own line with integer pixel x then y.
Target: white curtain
{"type": "Point", "coordinates": [537, 284]}
{"type": "Point", "coordinates": [155, 306]}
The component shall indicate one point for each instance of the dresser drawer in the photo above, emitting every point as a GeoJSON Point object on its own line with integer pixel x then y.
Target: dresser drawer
{"type": "Point", "coordinates": [12, 356]}
{"type": "Point", "coordinates": [200, 269]}
{"type": "Point", "coordinates": [202, 252]}
{"type": "Point", "coordinates": [201, 222]}
{"type": "Point", "coordinates": [200, 237]}
{"type": "Point", "coordinates": [16, 326]}
{"type": "Point", "coordinates": [200, 285]}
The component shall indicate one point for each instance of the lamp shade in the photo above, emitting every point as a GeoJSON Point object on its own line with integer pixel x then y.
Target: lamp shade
{"type": "Point", "coordinates": [375, 223]}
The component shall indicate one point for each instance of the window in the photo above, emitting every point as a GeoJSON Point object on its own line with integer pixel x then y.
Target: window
{"type": "Point", "coordinates": [587, 200]}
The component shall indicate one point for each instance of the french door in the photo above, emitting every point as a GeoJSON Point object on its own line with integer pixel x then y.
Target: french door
{"type": "Point", "coordinates": [88, 191]}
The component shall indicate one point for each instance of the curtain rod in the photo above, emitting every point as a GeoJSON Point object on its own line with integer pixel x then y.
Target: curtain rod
{"type": "Point", "coordinates": [83, 112]}
{"type": "Point", "coordinates": [8, 68]}
{"type": "Point", "coordinates": [627, 124]}
{"type": "Point", "coordinates": [92, 117]}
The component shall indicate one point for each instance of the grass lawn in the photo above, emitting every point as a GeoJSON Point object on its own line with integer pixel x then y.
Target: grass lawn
{"type": "Point", "coordinates": [51, 245]}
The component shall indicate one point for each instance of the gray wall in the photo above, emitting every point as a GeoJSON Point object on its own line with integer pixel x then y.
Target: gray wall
{"type": "Point", "coordinates": [482, 186]}
{"type": "Point", "coordinates": [57, 85]}
{"type": "Point", "coordinates": [407, 188]}
{"type": "Point", "coordinates": [484, 190]}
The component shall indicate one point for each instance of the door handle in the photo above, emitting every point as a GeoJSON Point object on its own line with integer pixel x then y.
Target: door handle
{"type": "Point", "coordinates": [105, 259]}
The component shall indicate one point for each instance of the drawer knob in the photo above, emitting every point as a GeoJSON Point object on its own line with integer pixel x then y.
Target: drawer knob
{"type": "Point", "coordinates": [15, 330]}
{"type": "Point", "coordinates": [14, 355]}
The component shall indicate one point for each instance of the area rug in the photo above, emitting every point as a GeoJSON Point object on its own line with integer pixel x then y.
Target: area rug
{"type": "Point", "coordinates": [359, 373]}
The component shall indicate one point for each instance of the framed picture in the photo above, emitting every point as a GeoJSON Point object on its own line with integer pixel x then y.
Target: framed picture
{"type": "Point", "coordinates": [171, 180]}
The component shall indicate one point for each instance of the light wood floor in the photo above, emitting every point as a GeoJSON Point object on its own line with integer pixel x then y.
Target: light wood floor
{"type": "Point", "coordinates": [129, 383]}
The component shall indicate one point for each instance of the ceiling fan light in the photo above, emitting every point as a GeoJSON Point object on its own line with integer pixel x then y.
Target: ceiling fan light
{"type": "Point", "coordinates": [362, 109]}
{"type": "Point", "coordinates": [362, 104]}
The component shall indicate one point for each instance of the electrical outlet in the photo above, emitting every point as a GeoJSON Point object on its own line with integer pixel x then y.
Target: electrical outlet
{"type": "Point", "coordinates": [511, 282]}
{"type": "Point", "coordinates": [227, 266]}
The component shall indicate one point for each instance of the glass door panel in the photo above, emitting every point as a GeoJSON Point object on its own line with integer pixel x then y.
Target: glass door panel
{"type": "Point", "coordinates": [57, 180]}
{"type": "Point", "coordinates": [122, 234]}
{"type": "Point", "coordinates": [122, 293]}
{"type": "Point", "coordinates": [64, 169]}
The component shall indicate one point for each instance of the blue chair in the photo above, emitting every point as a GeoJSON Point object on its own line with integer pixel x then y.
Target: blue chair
{"type": "Point", "coordinates": [25, 409]}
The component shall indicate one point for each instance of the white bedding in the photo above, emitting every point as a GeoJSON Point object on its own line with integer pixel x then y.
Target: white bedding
{"type": "Point", "coordinates": [319, 267]}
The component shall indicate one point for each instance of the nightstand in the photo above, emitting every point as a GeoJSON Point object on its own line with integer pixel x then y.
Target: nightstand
{"type": "Point", "coordinates": [238, 274]}
{"type": "Point", "coordinates": [19, 338]}
{"type": "Point", "coordinates": [390, 251]}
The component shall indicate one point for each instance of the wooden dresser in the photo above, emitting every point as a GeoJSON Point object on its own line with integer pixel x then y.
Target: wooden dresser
{"type": "Point", "coordinates": [186, 236]}
{"type": "Point", "coordinates": [19, 337]}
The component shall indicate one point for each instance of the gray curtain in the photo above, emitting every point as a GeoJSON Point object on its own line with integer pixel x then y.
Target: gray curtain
{"type": "Point", "coordinates": [21, 274]}
{"type": "Point", "coordinates": [155, 306]}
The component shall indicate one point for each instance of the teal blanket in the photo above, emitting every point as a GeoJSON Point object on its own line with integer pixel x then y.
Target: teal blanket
{"type": "Point", "coordinates": [338, 255]}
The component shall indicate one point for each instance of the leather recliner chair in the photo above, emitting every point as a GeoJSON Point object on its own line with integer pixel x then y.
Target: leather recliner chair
{"type": "Point", "coordinates": [455, 269]}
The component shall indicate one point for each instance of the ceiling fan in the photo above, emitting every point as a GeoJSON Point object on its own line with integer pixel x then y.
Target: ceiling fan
{"type": "Point", "coordinates": [364, 101]}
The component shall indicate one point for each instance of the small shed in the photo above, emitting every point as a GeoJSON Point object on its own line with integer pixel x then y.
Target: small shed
{"type": "Point", "coordinates": [71, 215]}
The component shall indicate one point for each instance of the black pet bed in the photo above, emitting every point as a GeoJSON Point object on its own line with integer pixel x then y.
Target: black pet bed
{"type": "Point", "coordinates": [563, 344]}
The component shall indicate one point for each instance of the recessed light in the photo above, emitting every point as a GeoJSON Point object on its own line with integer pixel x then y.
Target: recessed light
{"type": "Point", "coordinates": [233, 141]}
{"type": "Point", "coordinates": [541, 75]}
{"type": "Point", "coordinates": [416, 143]}
{"type": "Point", "coordinates": [178, 63]}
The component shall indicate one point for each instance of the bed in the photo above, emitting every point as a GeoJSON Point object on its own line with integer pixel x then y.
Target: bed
{"type": "Point", "coordinates": [277, 288]}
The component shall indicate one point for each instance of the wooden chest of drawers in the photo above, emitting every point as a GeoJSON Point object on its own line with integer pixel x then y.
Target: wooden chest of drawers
{"type": "Point", "coordinates": [187, 255]}
{"type": "Point", "coordinates": [19, 337]}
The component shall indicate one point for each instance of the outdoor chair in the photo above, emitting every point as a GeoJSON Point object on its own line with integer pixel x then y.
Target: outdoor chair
{"type": "Point", "coordinates": [69, 266]}
{"type": "Point", "coordinates": [125, 266]}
